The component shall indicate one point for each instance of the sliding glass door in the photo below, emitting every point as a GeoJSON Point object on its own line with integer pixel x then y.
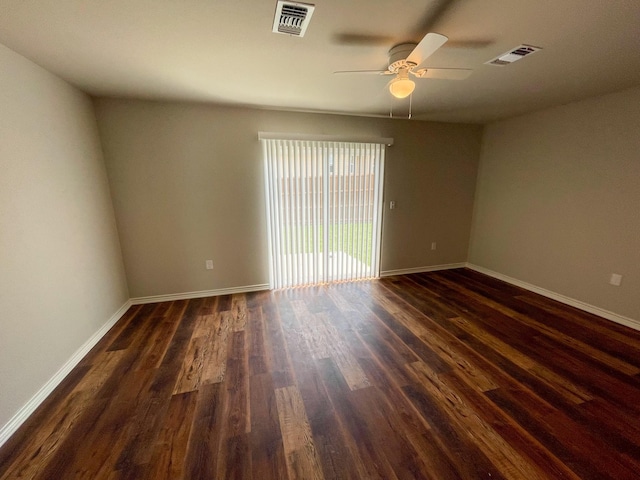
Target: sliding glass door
{"type": "Point", "coordinates": [324, 207]}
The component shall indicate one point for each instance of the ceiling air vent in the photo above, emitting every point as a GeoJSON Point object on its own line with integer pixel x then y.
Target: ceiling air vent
{"type": "Point", "coordinates": [513, 55]}
{"type": "Point", "coordinates": [292, 18]}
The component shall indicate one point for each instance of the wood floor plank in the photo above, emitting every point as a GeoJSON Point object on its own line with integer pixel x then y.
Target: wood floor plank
{"type": "Point", "coordinates": [215, 359]}
{"type": "Point", "coordinates": [201, 343]}
{"type": "Point", "coordinates": [299, 448]}
{"type": "Point", "coordinates": [239, 311]}
{"type": "Point", "coordinates": [204, 439]}
{"type": "Point", "coordinates": [238, 411]}
{"type": "Point", "coordinates": [235, 458]}
{"type": "Point", "coordinates": [368, 447]}
{"type": "Point", "coordinates": [192, 366]}
{"type": "Point", "coordinates": [439, 375]}
{"type": "Point", "coordinates": [275, 345]}
{"type": "Point", "coordinates": [255, 341]}
{"type": "Point", "coordinates": [170, 449]}
{"type": "Point", "coordinates": [267, 449]}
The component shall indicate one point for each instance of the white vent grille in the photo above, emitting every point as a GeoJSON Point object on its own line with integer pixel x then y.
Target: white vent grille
{"type": "Point", "coordinates": [292, 18]}
{"type": "Point", "coordinates": [513, 55]}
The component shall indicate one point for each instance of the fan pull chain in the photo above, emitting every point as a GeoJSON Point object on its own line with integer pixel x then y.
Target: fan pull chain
{"type": "Point", "coordinates": [410, 98]}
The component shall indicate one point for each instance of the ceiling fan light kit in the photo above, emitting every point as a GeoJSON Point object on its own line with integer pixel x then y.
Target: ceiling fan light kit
{"type": "Point", "coordinates": [402, 86]}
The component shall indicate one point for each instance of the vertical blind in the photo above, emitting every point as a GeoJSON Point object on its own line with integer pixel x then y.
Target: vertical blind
{"type": "Point", "coordinates": [324, 208]}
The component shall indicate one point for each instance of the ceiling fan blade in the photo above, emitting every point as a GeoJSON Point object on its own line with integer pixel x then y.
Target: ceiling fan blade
{"type": "Point", "coordinates": [366, 72]}
{"type": "Point", "coordinates": [443, 73]}
{"type": "Point", "coordinates": [361, 39]}
{"type": "Point", "coordinates": [427, 46]}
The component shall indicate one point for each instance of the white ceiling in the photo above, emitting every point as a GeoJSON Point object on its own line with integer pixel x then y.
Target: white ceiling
{"type": "Point", "coordinates": [223, 51]}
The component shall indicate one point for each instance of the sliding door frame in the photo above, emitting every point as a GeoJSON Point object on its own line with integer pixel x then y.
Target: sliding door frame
{"type": "Point", "coordinates": [298, 182]}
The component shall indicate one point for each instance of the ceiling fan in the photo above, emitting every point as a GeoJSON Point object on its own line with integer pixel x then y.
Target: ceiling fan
{"type": "Point", "coordinates": [409, 58]}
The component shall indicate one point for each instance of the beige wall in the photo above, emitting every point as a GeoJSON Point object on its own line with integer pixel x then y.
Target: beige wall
{"type": "Point", "coordinates": [558, 200]}
{"type": "Point", "coordinates": [187, 186]}
{"type": "Point", "coordinates": [61, 272]}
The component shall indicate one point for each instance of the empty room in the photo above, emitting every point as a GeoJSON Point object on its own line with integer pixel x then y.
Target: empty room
{"type": "Point", "coordinates": [326, 240]}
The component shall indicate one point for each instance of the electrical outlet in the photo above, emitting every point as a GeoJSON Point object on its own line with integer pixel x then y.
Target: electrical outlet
{"type": "Point", "coordinates": [616, 279]}
{"type": "Point", "coordinates": [433, 245]}
{"type": "Point", "coordinates": [392, 205]}
{"type": "Point", "coordinates": [208, 264]}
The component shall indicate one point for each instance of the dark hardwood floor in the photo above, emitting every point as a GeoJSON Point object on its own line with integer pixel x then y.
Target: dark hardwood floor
{"type": "Point", "coordinates": [440, 375]}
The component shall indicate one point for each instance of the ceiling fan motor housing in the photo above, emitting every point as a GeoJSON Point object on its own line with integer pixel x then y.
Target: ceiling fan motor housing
{"type": "Point", "coordinates": [398, 57]}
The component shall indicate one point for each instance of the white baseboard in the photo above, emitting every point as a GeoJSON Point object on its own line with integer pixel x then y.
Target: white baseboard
{"type": "Point", "coordinates": [18, 419]}
{"type": "Point", "coordinates": [614, 317]}
{"type": "Point", "coordinates": [199, 294]}
{"type": "Point", "coordinates": [432, 268]}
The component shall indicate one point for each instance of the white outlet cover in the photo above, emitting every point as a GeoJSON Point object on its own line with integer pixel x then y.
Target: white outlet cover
{"type": "Point", "coordinates": [208, 264]}
{"type": "Point", "coordinates": [616, 279]}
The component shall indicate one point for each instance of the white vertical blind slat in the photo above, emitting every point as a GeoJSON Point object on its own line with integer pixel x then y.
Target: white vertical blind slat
{"type": "Point", "coordinates": [358, 213]}
{"type": "Point", "coordinates": [270, 211]}
{"type": "Point", "coordinates": [290, 273]}
{"type": "Point", "coordinates": [278, 202]}
{"type": "Point", "coordinates": [313, 181]}
{"type": "Point", "coordinates": [355, 218]}
{"type": "Point", "coordinates": [277, 215]}
{"type": "Point", "coordinates": [337, 224]}
{"type": "Point", "coordinates": [296, 228]}
{"type": "Point", "coordinates": [341, 212]}
{"type": "Point", "coordinates": [366, 201]}
{"type": "Point", "coordinates": [359, 219]}
{"type": "Point", "coordinates": [303, 217]}
{"type": "Point", "coordinates": [326, 216]}
{"type": "Point", "coordinates": [377, 207]}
